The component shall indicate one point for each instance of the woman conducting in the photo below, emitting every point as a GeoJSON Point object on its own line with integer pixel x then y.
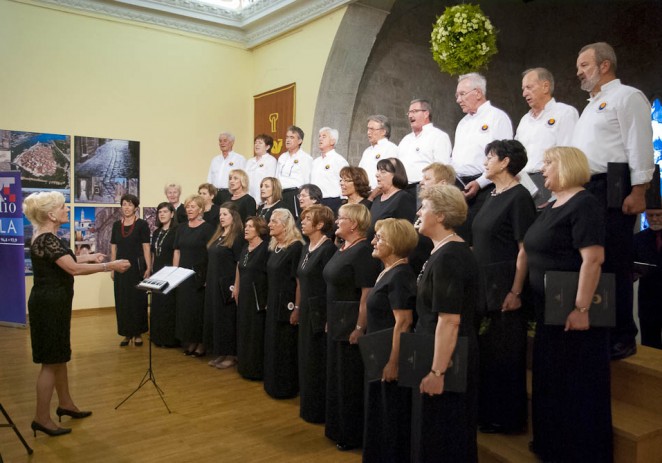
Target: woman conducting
{"type": "Point", "coordinates": [251, 290]}
{"type": "Point", "coordinates": [571, 404]}
{"type": "Point", "coordinates": [498, 231]}
{"type": "Point", "coordinates": [130, 240]}
{"type": "Point", "coordinates": [391, 304]}
{"type": "Point", "coordinates": [316, 223]}
{"type": "Point", "coordinates": [49, 306]}
{"type": "Point", "coordinates": [444, 423]}
{"type": "Point", "coordinates": [349, 277]}
{"type": "Point", "coordinates": [220, 322]}
{"type": "Point", "coordinates": [280, 337]}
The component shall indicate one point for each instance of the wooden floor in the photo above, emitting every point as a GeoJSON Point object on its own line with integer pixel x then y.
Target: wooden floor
{"type": "Point", "coordinates": [216, 415]}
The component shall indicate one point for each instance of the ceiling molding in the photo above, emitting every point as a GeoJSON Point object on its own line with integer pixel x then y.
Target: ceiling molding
{"type": "Point", "coordinates": [255, 24]}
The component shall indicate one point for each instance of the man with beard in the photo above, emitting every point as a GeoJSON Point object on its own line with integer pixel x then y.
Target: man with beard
{"type": "Point", "coordinates": [615, 127]}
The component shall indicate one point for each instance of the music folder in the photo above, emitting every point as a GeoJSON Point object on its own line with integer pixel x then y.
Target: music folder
{"type": "Point", "coordinates": [165, 280]}
{"type": "Point", "coordinates": [375, 350]}
{"type": "Point", "coordinates": [560, 294]}
{"type": "Point", "coordinates": [416, 355]}
{"type": "Point", "coordinates": [618, 184]}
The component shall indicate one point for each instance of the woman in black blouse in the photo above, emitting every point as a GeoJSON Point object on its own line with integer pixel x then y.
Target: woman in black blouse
{"type": "Point", "coordinates": [238, 186]}
{"type": "Point", "coordinates": [394, 201]}
{"type": "Point", "coordinates": [271, 193]}
{"type": "Point", "coordinates": [162, 314]}
{"type": "Point", "coordinates": [349, 276]}
{"type": "Point", "coordinates": [390, 305]}
{"type": "Point", "coordinates": [130, 240]}
{"type": "Point", "coordinates": [280, 337]}
{"type": "Point", "coordinates": [207, 192]}
{"type": "Point", "coordinates": [443, 422]}
{"type": "Point", "coordinates": [316, 223]}
{"type": "Point", "coordinates": [220, 317]}
{"type": "Point", "coordinates": [498, 232]}
{"type": "Point", "coordinates": [571, 403]}
{"type": "Point", "coordinates": [251, 292]}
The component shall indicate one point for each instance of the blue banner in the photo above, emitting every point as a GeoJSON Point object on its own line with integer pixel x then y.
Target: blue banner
{"type": "Point", "coordinates": [12, 250]}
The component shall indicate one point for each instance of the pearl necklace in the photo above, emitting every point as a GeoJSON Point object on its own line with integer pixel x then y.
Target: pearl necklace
{"type": "Point", "coordinates": [394, 264]}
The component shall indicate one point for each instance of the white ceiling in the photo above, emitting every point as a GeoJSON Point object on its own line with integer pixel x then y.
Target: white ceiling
{"type": "Point", "coordinates": [247, 23]}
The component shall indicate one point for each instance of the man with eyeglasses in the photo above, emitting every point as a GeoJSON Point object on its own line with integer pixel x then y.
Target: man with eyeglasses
{"type": "Point", "coordinates": [481, 124]}
{"type": "Point", "coordinates": [424, 145]}
{"type": "Point", "coordinates": [547, 124]}
{"type": "Point", "coordinates": [379, 132]}
{"type": "Point", "coordinates": [293, 169]}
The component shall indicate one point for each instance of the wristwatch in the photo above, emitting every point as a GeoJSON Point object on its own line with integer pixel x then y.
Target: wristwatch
{"type": "Point", "coordinates": [437, 372]}
{"type": "Point", "coordinates": [581, 309]}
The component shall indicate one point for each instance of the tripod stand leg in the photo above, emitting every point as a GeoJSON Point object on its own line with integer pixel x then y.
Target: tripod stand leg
{"type": "Point", "coordinates": [142, 383]}
{"type": "Point", "coordinates": [18, 433]}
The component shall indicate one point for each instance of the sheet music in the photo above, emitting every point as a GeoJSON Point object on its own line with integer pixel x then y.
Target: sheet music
{"type": "Point", "coordinates": [171, 275]}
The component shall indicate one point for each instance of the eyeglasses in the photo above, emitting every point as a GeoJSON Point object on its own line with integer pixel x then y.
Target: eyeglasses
{"type": "Point", "coordinates": [380, 238]}
{"type": "Point", "coordinates": [346, 180]}
{"type": "Point", "coordinates": [342, 218]}
{"type": "Point", "coordinates": [414, 111]}
{"type": "Point", "coordinates": [464, 94]}
{"type": "Point", "coordinates": [374, 129]}
{"type": "Point", "coordinates": [301, 196]}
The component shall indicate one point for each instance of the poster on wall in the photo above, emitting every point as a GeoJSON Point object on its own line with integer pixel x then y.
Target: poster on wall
{"type": "Point", "coordinates": [93, 227]}
{"type": "Point", "coordinates": [274, 113]}
{"type": "Point", "coordinates": [149, 215]}
{"type": "Point", "coordinates": [43, 159]}
{"type": "Point", "coordinates": [105, 169]}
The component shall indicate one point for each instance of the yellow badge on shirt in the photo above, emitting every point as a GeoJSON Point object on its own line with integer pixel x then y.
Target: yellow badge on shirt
{"type": "Point", "coordinates": [551, 122]}
{"type": "Point", "coordinates": [485, 128]}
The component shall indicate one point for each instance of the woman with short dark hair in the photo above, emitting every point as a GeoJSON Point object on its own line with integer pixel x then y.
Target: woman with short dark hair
{"type": "Point", "coordinates": [130, 240]}
{"type": "Point", "coordinates": [498, 235]}
{"type": "Point", "coordinates": [394, 201]}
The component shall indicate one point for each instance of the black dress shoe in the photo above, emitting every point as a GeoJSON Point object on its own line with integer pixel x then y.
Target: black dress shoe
{"type": "Point", "coordinates": [50, 432]}
{"type": "Point", "coordinates": [125, 342]}
{"type": "Point", "coordinates": [60, 412]}
{"type": "Point", "coordinates": [197, 354]}
{"type": "Point", "coordinates": [345, 447]}
{"type": "Point", "coordinates": [622, 350]}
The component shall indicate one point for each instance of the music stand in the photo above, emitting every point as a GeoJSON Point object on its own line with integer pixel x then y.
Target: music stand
{"type": "Point", "coordinates": [162, 282]}
{"type": "Point", "coordinates": [10, 424]}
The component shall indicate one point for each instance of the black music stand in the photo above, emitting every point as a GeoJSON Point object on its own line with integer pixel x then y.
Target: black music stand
{"type": "Point", "coordinates": [10, 424]}
{"type": "Point", "coordinates": [149, 374]}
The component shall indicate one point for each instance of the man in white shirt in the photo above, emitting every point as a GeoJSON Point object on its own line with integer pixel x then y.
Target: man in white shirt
{"type": "Point", "coordinates": [482, 124]}
{"type": "Point", "coordinates": [326, 168]}
{"type": "Point", "coordinates": [615, 127]}
{"type": "Point", "coordinates": [424, 145]}
{"type": "Point", "coordinates": [379, 132]}
{"type": "Point", "coordinates": [222, 164]}
{"type": "Point", "coordinates": [293, 168]}
{"type": "Point", "coordinates": [547, 124]}
{"type": "Point", "coordinates": [262, 165]}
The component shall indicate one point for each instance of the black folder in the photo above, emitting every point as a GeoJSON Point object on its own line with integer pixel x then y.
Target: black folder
{"type": "Point", "coordinates": [560, 293]}
{"type": "Point", "coordinates": [497, 280]}
{"type": "Point", "coordinates": [653, 199]}
{"type": "Point", "coordinates": [416, 355]}
{"type": "Point", "coordinates": [618, 184]}
{"type": "Point", "coordinates": [375, 350]}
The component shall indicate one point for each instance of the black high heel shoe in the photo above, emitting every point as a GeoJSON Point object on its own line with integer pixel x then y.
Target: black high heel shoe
{"type": "Point", "coordinates": [125, 342]}
{"type": "Point", "coordinates": [50, 432]}
{"type": "Point", "coordinates": [60, 412]}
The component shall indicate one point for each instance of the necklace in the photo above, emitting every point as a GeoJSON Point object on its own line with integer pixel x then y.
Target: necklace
{"type": "Point", "coordinates": [159, 240]}
{"type": "Point", "coordinates": [127, 234]}
{"type": "Point", "coordinates": [345, 248]}
{"type": "Point", "coordinates": [248, 252]}
{"type": "Point", "coordinates": [311, 249]}
{"type": "Point", "coordinates": [496, 192]}
{"type": "Point", "coordinates": [278, 248]}
{"type": "Point", "coordinates": [394, 264]}
{"type": "Point", "coordinates": [441, 243]}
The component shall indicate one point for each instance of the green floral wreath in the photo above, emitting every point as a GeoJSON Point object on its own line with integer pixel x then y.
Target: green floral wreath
{"type": "Point", "coordinates": [463, 40]}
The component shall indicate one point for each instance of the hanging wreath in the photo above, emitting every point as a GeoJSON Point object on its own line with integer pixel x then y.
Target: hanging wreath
{"type": "Point", "coordinates": [463, 39]}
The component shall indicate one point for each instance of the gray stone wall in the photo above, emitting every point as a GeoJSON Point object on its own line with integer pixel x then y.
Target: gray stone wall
{"type": "Point", "coordinates": [545, 33]}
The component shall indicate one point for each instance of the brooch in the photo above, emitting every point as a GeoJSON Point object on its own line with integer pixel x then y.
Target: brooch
{"type": "Point", "coordinates": [551, 122]}
{"type": "Point", "coordinates": [231, 163]}
{"type": "Point", "coordinates": [327, 167]}
{"type": "Point", "coordinates": [261, 165]}
{"type": "Point", "coordinates": [377, 156]}
{"type": "Point", "coordinates": [602, 106]}
{"type": "Point", "coordinates": [296, 161]}
{"type": "Point", "coordinates": [484, 127]}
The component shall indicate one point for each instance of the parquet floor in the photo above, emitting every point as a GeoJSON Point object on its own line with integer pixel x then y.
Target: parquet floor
{"type": "Point", "coordinates": [216, 415]}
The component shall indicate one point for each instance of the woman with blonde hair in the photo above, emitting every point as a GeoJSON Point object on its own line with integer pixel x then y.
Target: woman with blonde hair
{"type": "Point", "coordinates": [391, 304]}
{"type": "Point", "coordinates": [238, 186]}
{"type": "Point", "coordinates": [349, 275]}
{"type": "Point", "coordinates": [280, 337]}
{"type": "Point", "coordinates": [444, 422]}
{"type": "Point", "coordinates": [49, 305]}
{"type": "Point", "coordinates": [571, 403]}
{"type": "Point", "coordinates": [271, 193]}
{"type": "Point", "coordinates": [190, 246]}
{"type": "Point", "coordinates": [220, 316]}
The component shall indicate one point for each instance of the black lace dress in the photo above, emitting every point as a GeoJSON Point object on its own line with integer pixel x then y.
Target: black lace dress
{"type": "Point", "coordinates": [49, 304]}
